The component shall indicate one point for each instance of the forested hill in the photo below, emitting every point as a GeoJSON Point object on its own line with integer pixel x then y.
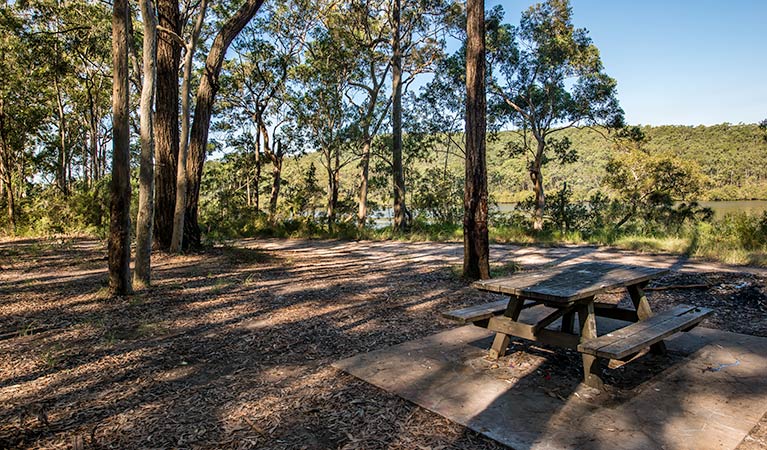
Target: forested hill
{"type": "Point", "coordinates": [733, 158]}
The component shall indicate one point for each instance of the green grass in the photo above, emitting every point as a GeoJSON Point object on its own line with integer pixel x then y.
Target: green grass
{"type": "Point", "coordinates": [734, 239]}
{"type": "Point", "coordinates": [664, 244]}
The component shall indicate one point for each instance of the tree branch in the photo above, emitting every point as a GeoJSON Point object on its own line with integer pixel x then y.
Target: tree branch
{"type": "Point", "coordinates": [172, 34]}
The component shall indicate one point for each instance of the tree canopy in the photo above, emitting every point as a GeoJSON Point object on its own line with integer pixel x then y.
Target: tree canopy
{"type": "Point", "coordinates": [300, 97]}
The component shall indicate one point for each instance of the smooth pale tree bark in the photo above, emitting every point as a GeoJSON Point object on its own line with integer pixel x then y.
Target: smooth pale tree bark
{"type": "Point", "coordinates": [181, 178]}
{"type": "Point", "coordinates": [400, 210]}
{"type": "Point", "coordinates": [166, 121]}
{"type": "Point", "coordinates": [369, 129]}
{"type": "Point", "coordinates": [362, 211]}
{"type": "Point", "coordinates": [144, 221]}
{"type": "Point", "coordinates": [206, 95]}
{"type": "Point", "coordinates": [93, 136]}
{"type": "Point", "coordinates": [275, 154]}
{"type": "Point", "coordinates": [120, 191]}
{"type": "Point", "coordinates": [476, 262]}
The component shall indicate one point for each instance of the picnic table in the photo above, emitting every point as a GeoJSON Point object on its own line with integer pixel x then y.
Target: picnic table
{"type": "Point", "coordinates": [571, 290]}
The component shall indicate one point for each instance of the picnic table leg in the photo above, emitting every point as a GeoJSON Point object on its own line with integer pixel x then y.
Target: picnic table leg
{"type": "Point", "coordinates": [592, 372]}
{"type": "Point", "coordinates": [644, 311]}
{"type": "Point", "coordinates": [501, 341]}
{"type": "Point", "coordinates": [568, 322]}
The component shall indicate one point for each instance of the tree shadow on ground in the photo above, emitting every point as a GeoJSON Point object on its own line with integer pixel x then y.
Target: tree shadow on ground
{"type": "Point", "coordinates": [228, 348]}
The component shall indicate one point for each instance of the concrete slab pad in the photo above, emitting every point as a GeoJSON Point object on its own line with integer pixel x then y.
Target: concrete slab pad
{"type": "Point", "coordinates": [709, 399]}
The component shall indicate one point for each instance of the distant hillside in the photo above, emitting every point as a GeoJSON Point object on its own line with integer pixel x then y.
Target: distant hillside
{"type": "Point", "coordinates": [734, 157]}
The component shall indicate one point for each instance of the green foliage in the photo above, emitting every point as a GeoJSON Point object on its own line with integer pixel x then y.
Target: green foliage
{"type": "Point", "coordinates": [301, 197]}
{"type": "Point", "coordinates": [438, 196]}
{"type": "Point", "coordinates": [648, 184]}
{"type": "Point", "coordinates": [46, 212]}
{"type": "Point", "coordinates": [547, 77]}
{"type": "Point", "coordinates": [738, 231]}
{"type": "Point", "coordinates": [744, 149]}
{"type": "Point", "coordinates": [565, 214]}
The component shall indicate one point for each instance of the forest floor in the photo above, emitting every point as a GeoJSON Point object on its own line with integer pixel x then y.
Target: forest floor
{"type": "Point", "coordinates": [232, 347]}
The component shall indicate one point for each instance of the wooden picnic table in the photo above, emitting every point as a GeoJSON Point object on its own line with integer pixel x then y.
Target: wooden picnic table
{"type": "Point", "coordinates": [570, 290]}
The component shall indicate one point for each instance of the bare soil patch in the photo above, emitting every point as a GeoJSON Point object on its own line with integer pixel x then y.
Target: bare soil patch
{"type": "Point", "coordinates": [231, 348]}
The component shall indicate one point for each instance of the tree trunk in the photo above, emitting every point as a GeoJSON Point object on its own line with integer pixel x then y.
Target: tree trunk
{"type": "Point", "coordinates": [206, 95]}
{"type": "Point", "coordinates": [476, 262]}
{"type": "Point", "coordinates": [119, 225]}
{"type": "Point", "coordinates": [370, 127]}
{"type": "Point", "coordinates": [248, 195]}
{"type": "Point", "coordinates": [276, 158]}
{"type": "Point", "coordinates": [7, 184]}
{"type": "Point", "coordinates": [258, 169]}
{"type": "Point", "coordinates": [144, 221]}
{"type": "Point", "coordinates": [332, 190]}
{"type": "Point", "coordinates": [362, 213]}
{"type": "Point", "coordinates": [179, 211]}
{"type": "Point", "coordinates": [6, 179]}
{"type": "Point", "coordinates": [61, 171]}
{"type": "Point", "coordinates": [537, 178]}
{"type": "Point", "coordinates": [166, 123]}
{"type": "Point", "coordinates": [400, 210]}
{"type": "Point", "coordinates": [274, 153]}
{"type": "Point", "coordinates": [85, 166]}
{"type": "Point", "coordinates": [93, 136]}
{"type": "Point", "coordinates": [333, 181]}
{"type": "Point", "coordinates": [11, 207]}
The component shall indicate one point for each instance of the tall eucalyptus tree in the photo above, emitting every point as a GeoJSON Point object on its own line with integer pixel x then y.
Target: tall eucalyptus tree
{"type": "Point", "coordinates": [475, 234]}
{"type": "Point", "coordinates": [318, 98]}
{"type": "Point", "coordinates": [549, 77]}
{"type": "Point", "coordinates": [145, 217]}
{"type": "Point", "coordinates": [416, 44]}
{"type": "Point", "coordinates": [206, 96]}
{"type": "Point", "coordinates": [119, 227]}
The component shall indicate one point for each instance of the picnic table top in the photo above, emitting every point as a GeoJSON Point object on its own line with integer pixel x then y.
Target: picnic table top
{"type": "Point", "coordinates": [567, 284]}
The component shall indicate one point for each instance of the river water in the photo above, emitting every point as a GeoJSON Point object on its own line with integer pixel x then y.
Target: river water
{"type": "Point", "coordinates": [721, 208]}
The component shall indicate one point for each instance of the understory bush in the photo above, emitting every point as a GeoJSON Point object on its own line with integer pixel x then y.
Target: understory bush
{"type": "Point", "coordinates": [736, 238]}
{"type": "Point", "coordinates": [46, 211]}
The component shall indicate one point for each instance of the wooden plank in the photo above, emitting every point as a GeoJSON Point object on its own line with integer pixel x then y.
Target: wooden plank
{"type": "Point", "coordinates": [566, 284]}
{"type": "Point", "coordinates": [548, 320]}
{"type": "Point", "coordinates": [604, 305]}
{"type": "Point", "coordinates": [655, 334]}
{"type": "Point", "coordinates": [477, 312]}
{"type": "Point", "coordinates": [640, 335]}
{"type": "Point", "coordinates": [482, 311]}
{"type": "Point", "coordinates": [507, 326]}
{"type": "Point", "coordinates": [613, 312]}
{"type": "Point", "coordinates": [627, 331]}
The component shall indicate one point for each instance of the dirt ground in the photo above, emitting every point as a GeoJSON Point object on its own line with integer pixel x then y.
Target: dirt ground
{"type": "Point", "coordinates": [231, 348]}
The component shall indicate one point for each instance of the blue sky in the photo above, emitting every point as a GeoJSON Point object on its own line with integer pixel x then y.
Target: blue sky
{"type": "Point", "coordinates": [678, 62]}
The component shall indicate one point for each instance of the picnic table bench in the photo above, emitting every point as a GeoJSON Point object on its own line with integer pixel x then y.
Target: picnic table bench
{"type": "Point", "coordinates": [570, 290]}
